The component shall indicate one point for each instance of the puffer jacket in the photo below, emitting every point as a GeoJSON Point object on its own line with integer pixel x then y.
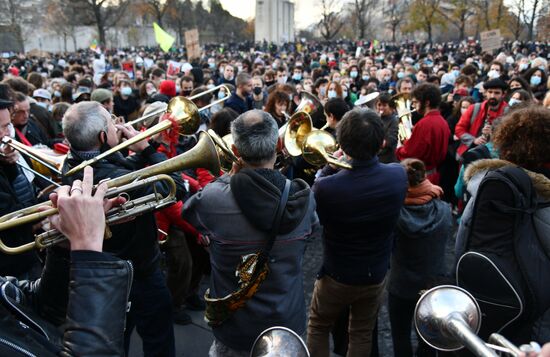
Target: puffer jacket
{"type": "Point", "coordinates": [86, 294]}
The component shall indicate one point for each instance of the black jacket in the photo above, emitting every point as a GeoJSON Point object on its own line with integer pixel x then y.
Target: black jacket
{"type": "Point", "coordinates": [21, 263]}
{"type": "Point", "coordinates": [68, 293]}
{"type": "Point", "coordinates": [135, 240]}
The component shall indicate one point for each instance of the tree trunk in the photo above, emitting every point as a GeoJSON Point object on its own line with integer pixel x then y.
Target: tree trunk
{"type": "Point", "coordinates": [393, 29]}
{"type": "Point", "coordinates": [65, 42]}
{"type": "Point", "coordinates": [532, 22]}
{"type": "Point", "coordinates": [429, 31]}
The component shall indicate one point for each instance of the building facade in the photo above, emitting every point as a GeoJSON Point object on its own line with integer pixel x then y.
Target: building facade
{"type": "Point", "coordinates": [274, 21]}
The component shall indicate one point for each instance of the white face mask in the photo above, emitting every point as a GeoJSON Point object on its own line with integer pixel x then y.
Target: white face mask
{"type": "Point", "coordinates": [493, 74]}
{"type": "Point", "coordinates": [282, 80]}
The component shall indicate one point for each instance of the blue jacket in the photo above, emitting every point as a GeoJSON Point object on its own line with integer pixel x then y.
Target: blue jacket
{"type": "Point", "coordinates": [238, 104]}
{"type": "Point", "coordinates": [358, 210]}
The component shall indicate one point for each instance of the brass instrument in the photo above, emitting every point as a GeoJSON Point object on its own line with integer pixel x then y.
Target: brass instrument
{"type": "Point", "coordinates": [149, 118]}
{"type": "Point", "coordinates": [402, 103]}
{"type": "Point", "coordinates": [204, 154]}
{"type": "Point", "coordinates": [44, 163]}
{"type": "Point", "coordinates": [318, 148]}
{"type": "Point", "coordinates": [182, 109]}
{"type": "Point", "coordinates": [279, 341]}
{"type": "Point", "coordinates": [448, 318]}
{"type": "Point", "coordinates": [225, 153]}
{"type": "Point", "coordinates": [312, 106]}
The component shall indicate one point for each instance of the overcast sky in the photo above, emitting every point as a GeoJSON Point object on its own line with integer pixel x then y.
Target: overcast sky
{"type": "Point", "coordinates": [305, 13]}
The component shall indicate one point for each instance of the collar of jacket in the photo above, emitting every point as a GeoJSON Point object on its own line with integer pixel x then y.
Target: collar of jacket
{"type": "Point", "coordinates": [364, 163]}
{"type": "Point", "coordinates": [541, 183]}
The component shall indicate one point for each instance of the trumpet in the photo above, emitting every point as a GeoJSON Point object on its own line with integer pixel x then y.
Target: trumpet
{"type": "Point", "coordinates": [149, 118]}
{"type": "Point", "coordinates": [204, 154]}
{"type": "Point", "coordinates": [448, 318]}
{"type": "Point", "coordinates": [186, 115]}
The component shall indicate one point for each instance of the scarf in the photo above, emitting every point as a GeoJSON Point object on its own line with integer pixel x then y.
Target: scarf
{"type": "Point", "coordinates": [422, 193]}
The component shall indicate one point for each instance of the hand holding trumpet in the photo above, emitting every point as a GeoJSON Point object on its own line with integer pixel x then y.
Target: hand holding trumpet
{"type": "Point", "coordinates": [81, 215]}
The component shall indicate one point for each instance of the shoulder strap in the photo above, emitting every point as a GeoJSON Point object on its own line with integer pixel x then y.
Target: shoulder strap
{"type": "Point", "coordinates": [475, 112]}
{"type": "Point", "coordinates": [276, 224]}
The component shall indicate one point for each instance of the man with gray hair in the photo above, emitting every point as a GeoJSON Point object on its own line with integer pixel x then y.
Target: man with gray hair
{"type": "Point", "coordinates": [241, 101]}
{"type": "Point", "coordinates": [90, 130]}
{"type": "Point", "coordinates": [254, 214]}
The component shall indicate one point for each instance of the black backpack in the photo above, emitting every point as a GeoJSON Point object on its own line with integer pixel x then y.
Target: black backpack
{"type": "Point", "coordinates": [504, 264]}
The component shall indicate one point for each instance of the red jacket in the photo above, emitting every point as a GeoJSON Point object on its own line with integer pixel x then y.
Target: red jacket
{"type": "Point", "coordinates": [428, 142]}
{"type": "Point", "coordinates": [467, 131]}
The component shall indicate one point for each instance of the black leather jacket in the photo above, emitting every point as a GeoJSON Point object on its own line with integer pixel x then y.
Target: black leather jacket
{"type": "Point", "coordinates": [87, 295]}
{"type": "Point", "coordinates": [135, 240]}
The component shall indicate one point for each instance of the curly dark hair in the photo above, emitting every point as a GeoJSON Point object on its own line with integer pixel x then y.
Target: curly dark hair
{"type": "Point", "coordinates": [427, 92]}
{"type": "Point", "coordinates": [522, 137]}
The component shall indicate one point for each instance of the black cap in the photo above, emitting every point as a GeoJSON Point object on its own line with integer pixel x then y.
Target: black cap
{"type": "Point", "coordinates": [5, 104]}
{"type": "Point", "coordinates": [495, 83]}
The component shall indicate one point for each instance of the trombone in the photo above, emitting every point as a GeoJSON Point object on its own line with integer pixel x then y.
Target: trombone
{"type": "Point", "coordinates": [162, 111]}
{"type": "Point", "coordinates": [186, 115]}
{"type": "Point", "coordinates": [35, 155]}
{"type": "Point", "coordinates": [204, 154]}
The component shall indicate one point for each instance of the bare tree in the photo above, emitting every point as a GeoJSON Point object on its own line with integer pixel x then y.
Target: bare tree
{"type": "Point", "coordinates": [157, 8]}
{"type": "Point", "coordinates": [101, 13]}
{"type": "Point", "coordinates": [532, 13]}
{"type": "Point", "coordinates": [331, 22]}
{"type": "Point", "coordinates": [180, 16]}
{"type": "Point", "coordinates": [363, 15]}
{"type": "Point", "coordinates": [424, 16]}
{"type": "Point", "coordinates": [61, 20]}
{"type": "Point", "coordinates": [395, 13]}
{"type": "Point", "coordinates": [458, 15]}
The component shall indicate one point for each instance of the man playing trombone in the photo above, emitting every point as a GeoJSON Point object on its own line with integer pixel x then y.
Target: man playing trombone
{"type": "Point", "coordinates": [89, 129]}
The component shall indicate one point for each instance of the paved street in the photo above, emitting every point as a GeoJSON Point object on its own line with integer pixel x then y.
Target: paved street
{"type": "Point", "coordinates": [194, 340]}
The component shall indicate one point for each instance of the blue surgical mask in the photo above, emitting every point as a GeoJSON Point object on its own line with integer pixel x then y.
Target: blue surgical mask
{"type": "Point", "coordinates": [523, 66]}
{"type": "Point", "coordinates": [126, 91]}
{"type": "Point", "coordinates": [297, 76]}
{"type": "Point", "coordinates": [332, 94]}
{"type": "Point", "coordinates": [178, 89]}
{"type": "Point", "coordinates": [400, 75]}
{"type": "Point", "coordinates": [322, 91]}
{"type": "Point", "coordinates": [353, 74]}
{"type": "Point", "coordinates": [514, 101]}
{"type": "Point", "coordinates": [456, 73]}
{"type": "Point", "coordinates": [345, 94]}
{"type": "Point", "coordinates": [493, 74]}
{"type": "Point", "coordinates": [221, 95]}
{"type": "Point", "coordinates": [212, 65]}
{"type": "Point", "coordinates": [210, 86]}
{"type": "Point", "coordinates": [535, 80]}
{"type": "Point", "coordinates": [365, 78]}
{"type": "Point", "coordinates": [43, 105]}
{"type": "Point", "coordinates": [57, 94]}
{"type": "Point", "coordinates": [387, 78]}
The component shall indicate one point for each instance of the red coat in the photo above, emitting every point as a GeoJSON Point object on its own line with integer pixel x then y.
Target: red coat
{"type": "Point", "coordinates": [428, 142]}
{"type": "Point", "coordinates": [466, 127]}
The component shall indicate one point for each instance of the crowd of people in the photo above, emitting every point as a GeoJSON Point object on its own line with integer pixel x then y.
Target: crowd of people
{"type": "Point", "coordinates": [414, 121]}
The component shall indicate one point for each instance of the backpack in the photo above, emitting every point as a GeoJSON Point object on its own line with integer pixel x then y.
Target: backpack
{"type": "Point", "coordinates": [504, 264]}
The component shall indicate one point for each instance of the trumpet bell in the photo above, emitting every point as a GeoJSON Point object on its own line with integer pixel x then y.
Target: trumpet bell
{"type": "Point", "coordinates": [437, 307]}
{"type": "Point", "coordinates": [298, 127]}
{"type": "Point", "coordinates": [316, 147]}
{"type": "Point", "coordinates": [311, 105]}
{"type": "Point", "coordinates": [186, 114]}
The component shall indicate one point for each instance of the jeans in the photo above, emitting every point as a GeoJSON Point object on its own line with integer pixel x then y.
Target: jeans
{"type": "Point", "coordinates": [330, 298]}
{"type": "Point", "coordinates": [151, 314]}
{"type": "Point", "coordinates": [401, 313]}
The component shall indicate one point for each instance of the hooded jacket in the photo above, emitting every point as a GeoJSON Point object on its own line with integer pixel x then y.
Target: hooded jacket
{"type": "Point", "coordinates": [236, 213]}
{"type": "Point", "coordinates": [419, 253]}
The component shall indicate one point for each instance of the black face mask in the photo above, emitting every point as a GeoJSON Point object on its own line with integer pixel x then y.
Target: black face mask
{"type": "Point", "coordinates": [257, 90]}
{"type": "Point", "coordinates": [185, 93]}
{"type": "Point", "coordinates": [269, 83]}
